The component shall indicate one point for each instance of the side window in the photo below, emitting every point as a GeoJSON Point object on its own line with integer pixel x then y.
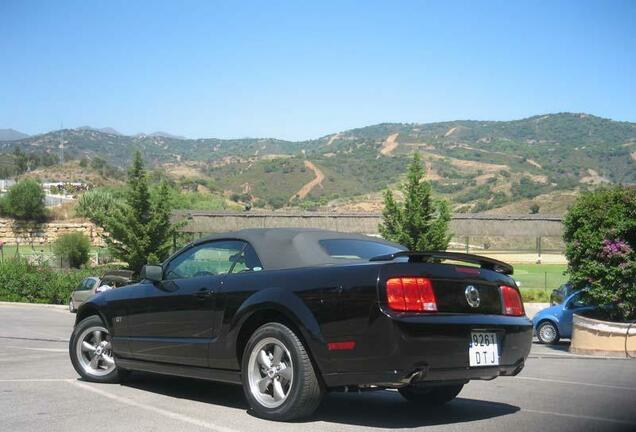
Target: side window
{"type": "Point", "coordinates": [212, 258]}
{"type": "Point", "coordinates": [356, 249]}
{"type": "Point", "coordinates": [577, 301]}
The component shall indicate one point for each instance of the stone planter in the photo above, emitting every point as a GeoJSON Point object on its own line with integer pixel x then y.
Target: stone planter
{"type": "Point", "coordinates": [596, 337]}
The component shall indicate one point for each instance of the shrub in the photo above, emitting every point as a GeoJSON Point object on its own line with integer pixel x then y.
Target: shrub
{"type": "Point", "coordinates": [95, 204]}
{"type": "Point", "coordinates": [530, 295]}
{"type": "Point", "coordinates": [74, 248]}
{"type": "Point", "coordinates": [277, 202]}
{"type": "Point", "coordinates": [25, 201]}
{"type": "Point", "coordinates": [35, 283]}
{"type": "Point", "coordinates": [600, 236]}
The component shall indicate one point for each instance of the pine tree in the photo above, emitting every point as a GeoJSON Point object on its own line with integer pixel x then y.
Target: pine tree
{"type": "Point", "coordinates": [139, 229]}
{"type": "Point", "coordinates": [160, 230]}
{"type": "Point", "coordinates": [420, 223]}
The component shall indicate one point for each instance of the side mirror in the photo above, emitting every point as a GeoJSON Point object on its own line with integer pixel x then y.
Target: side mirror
{"type": "Point", "coordinates": [152, 273]}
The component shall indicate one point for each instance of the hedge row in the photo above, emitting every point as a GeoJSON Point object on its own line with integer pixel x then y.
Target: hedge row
{"type": "Point", "coordinates": [532, 295]}
{"type": "Point", "coordinates": [33, 283]}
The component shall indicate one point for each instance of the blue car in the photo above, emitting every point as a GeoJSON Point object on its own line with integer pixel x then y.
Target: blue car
{"type": "Point", "coordinates": [555, 322]}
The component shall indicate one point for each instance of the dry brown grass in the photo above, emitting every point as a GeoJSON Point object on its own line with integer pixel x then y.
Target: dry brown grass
{"type": "Point", "coordinates": [70, 172]}
{"type": "Point", "coordinates": [594, 178]}
{"type": "Point", "coordinates": [550, 203]}
{"type": "Point", "coordinates": [187, 170]}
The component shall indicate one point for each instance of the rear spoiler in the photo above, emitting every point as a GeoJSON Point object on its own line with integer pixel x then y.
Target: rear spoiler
{"type": "Point", "coordinates": [485, 263]}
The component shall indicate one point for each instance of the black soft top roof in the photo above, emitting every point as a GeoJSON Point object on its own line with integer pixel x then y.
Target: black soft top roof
{"type": "Point", "coordinates": [284, 248]}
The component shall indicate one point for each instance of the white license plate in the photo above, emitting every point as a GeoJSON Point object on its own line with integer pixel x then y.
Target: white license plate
{"type": "Point", "coordinates": [484, 349]}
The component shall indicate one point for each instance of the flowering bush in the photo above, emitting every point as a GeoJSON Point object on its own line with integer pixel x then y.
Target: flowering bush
{"type": "Point", "coordinates": [600, 236]}
{"type": "Point", "coordinates": [615, 248]}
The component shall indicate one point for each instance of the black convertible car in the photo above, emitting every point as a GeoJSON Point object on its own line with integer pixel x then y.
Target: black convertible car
{"type": "Point", "coordinates": [293, 313]}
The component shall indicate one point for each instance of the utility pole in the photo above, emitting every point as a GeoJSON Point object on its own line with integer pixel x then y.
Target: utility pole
{"type": "Point", "coordinates": [62, 143]}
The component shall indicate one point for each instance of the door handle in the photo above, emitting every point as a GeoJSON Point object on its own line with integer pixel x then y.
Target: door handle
{"type": "Point", "coordinates": [204, 293]}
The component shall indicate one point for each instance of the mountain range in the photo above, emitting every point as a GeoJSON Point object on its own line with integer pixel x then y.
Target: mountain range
{"type": "Point", "coordinates": [11, 135]}
{"type": "Point", "coordinates": [478, 165]}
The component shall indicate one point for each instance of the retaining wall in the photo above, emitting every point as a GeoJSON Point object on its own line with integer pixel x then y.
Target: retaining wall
{"type": "Point", "coordinates": [28, 233]}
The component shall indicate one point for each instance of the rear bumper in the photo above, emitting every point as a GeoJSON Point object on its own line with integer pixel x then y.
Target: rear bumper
{"type": "Point", "coordinates": [421, 374]}
{"type": "Point", "coordinates": [434, 348]}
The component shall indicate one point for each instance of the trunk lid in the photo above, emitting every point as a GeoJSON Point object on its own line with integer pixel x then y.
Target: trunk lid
{"type": "Point", "coordinates": [457, 288]}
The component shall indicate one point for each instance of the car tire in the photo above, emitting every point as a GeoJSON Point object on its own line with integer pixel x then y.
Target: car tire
{"type": "Point", "coordinates": [91, 353]}
{"type": "Point", "coordinates": [279, 379]}
{"type": "Point", "coordinates": [548, 333]}
{"type": "Point", "coordinates": [437, 395]}
{"type": "Point", "coordinates": [71, 308]}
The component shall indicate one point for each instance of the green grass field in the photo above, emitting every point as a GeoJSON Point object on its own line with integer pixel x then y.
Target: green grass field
{"type": "Point", "coordinates": [538, 280]}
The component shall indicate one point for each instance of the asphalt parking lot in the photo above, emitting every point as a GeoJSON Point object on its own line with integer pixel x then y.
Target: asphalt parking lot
{"type": "Point", "coordinates": [39, 390]}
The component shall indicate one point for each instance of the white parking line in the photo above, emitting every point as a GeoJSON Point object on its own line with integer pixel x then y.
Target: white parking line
{"type": "Point", "coordinates": [39, 349]}
{"type": "Point", "coordinates": [160, 411]}
{"type": "Point", "coordinates": [23, 358]}
{"type": "Point", "coordinates": [35, 339]}
{"type": "Point", "coordinates": [36, 380]}
{"type": "Point", "coordinates": [579, 416]}
{"type": "Point", "coordinates": [575, 383]}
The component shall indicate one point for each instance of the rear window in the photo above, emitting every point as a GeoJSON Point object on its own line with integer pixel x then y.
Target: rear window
{"type": "Point", "coordinates": [356, 249]}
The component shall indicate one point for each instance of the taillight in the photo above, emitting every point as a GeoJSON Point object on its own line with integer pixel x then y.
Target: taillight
{"type": "Point", "coordinates": [512, 304]}
{"type": "Point", "coordinates": [412, 294]}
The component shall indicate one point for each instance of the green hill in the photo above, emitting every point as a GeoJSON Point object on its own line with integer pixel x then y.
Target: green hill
{"type": "Point", "coordinates": [478, 165]}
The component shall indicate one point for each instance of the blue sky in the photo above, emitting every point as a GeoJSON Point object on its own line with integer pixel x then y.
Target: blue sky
{"type": "Point", "coordinates": [299, 70]}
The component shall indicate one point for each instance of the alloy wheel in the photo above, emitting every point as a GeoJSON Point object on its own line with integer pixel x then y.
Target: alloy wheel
{"type": "Point", "coordinates": [94, 351]}
{"type": "Point", "coordinates": [270, 372]}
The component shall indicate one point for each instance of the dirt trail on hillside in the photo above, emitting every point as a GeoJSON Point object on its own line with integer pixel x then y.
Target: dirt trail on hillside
{"type": "Point", "coordinates": [634, 155]}
{"type": "Point", "coordinates": [333, 138]}
{"type": "Point", "coordinates": [389, 144]}
{"type": "Point", "coordinates": [594, 178]}
{"type": "Point", "coordinates": [534, 163]}
{"type": "Point", "coordinates": [308, 187]}
{"type": "Point", "coordinates": [450, 131]}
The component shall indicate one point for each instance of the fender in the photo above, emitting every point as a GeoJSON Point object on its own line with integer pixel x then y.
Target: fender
{"type": "Point", "coordinates": [284, 301]}
{"type": "Point", "coordinates": [289, 305]}
{"type": "Point", "coordinates": [91, 308]}
{"type": "Point", "coordinates": [553, 319]}
{"type": "Point", "coordinates": [102, 306]}
{"type": "Point", "coordinates": [546, 317]}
